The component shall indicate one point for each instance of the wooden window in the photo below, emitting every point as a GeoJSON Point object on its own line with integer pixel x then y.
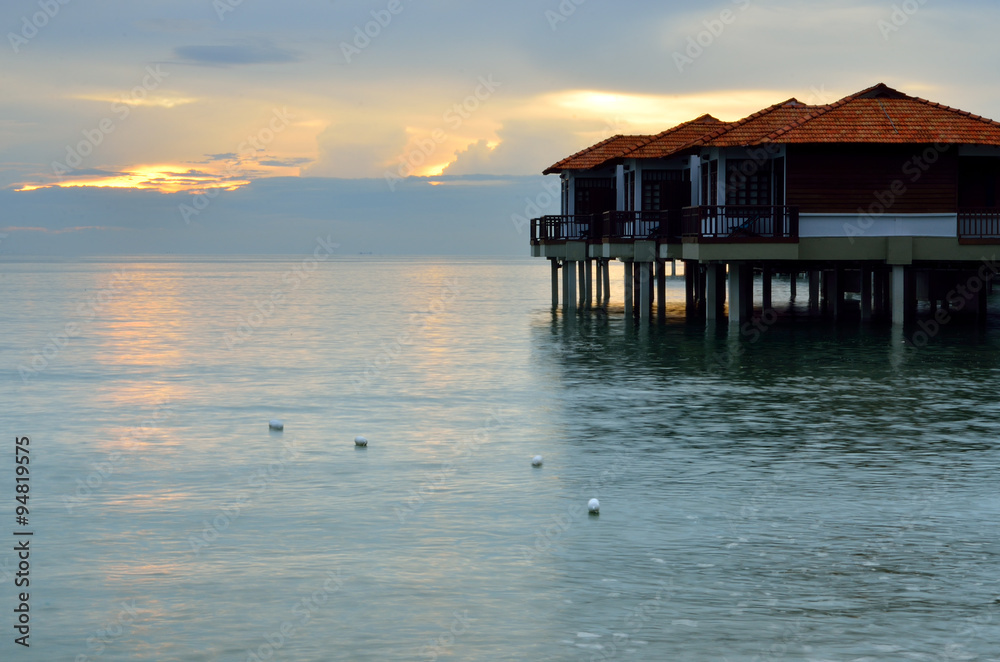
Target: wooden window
{"type": "Point", "coordinates": [665, 189]}
{"type": "Point", "coordinates": [748, 182]}
{"type": "Point", "coordinates": [595, 195]}
{"type": "Point", "coordinates": [710, 182]}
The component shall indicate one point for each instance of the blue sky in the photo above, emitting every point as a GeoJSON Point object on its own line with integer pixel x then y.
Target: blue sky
{"type": "Point", "coordinates": [302, 117]}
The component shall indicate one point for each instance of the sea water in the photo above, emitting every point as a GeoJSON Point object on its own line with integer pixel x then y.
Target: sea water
{"type": "Point", "coordinates": [813, 491]}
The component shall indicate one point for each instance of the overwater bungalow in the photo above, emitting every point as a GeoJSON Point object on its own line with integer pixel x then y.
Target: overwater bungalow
{"type": "Point", "coordinates": [888, 196]}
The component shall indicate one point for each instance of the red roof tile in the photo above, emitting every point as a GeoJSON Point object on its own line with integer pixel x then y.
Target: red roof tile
{"type": "Point", "coordinates": [597, 154]}
{"type": "Point", "coordinates": [881, 114]}
{"type": "Point", "coordinates": [878, 114]}
{"type": "Point", "coordinates": [751, 129]}
{"type": "Point", "coordinates": [668, 142]}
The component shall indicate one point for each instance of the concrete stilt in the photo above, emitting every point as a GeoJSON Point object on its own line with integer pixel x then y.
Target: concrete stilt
{"type": "Point", "coordinates": [607, 282]}
{"type": "Point", "coordinates": [569, 286]}
{"type": "Point", "coordinates": [792, 285]}
{"type": "Point", "coordinates": [673, 267]}
{"type": "Point", "coordinates": [600, 282]}
{"type": "Point", "coordinates": [866, 294]}
{"type": "Point", "coordinates": [645, 291]}
{"type": "Point", "coordinates": [766, 289]}
{"type": "Point", "coordinates": [813, 291]}
{"type": "Point", "coordinates": [554, 266]}
{"type": "Point", "coordinates": [690, 286]}
{"type": "Point", "coordinates": [589, 284]}
{"type": "Point", "coordinates": [898, 294]}
{"type": "Point", "coordinates": [581, 271]}
{"type": "Point", "coordinates": [836, 292]}
{"type": "Point", "coordinates": [628, 289]}
{"type": "Point", "coordinates": [715, 291]}
{"type": "Point", "coordinates": [737, 293]}
{"type": "Point", "coordinates": [661, 288]}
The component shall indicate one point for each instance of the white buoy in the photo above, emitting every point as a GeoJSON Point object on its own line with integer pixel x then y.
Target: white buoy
{"type": "Point", "coordinates": [360, 441]}
{"type": "Point", "coordinates": [594, 506]}
{"type": "Point", "coordinates": [276, 424]}
{"type": "Point", "coordinates": [536, 461]}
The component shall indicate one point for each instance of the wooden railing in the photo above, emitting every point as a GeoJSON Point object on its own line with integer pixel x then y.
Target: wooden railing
{"type": "Point", "coordinates": [979, 225]}
{"type": "Point", "coordinates": [563, 228]}
{"type": "Point", "coordinates": [662, 226]}
{"type": "Point", "coordinates": [741, 223]}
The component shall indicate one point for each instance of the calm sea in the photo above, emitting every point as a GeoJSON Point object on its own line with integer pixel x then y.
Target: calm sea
{"type": "Point", "coordinates": [811, 492]}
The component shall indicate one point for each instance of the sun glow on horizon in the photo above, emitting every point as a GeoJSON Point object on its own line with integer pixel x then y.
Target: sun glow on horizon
{"type": "Point", "coordinates": [165, 178]}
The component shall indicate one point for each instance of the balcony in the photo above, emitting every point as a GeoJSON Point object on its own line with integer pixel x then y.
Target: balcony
{"type": "Point", "coordinates": [660, 226]}
{"type": "Point", "coordinates": [559, 228]}
{"type": "Point", "coordinates": [979, 225]}
{"type": "Point", "coordinates": [736, 224]}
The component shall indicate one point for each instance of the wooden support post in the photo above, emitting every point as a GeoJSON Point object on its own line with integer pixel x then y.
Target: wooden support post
{"type": "Point", "coordinates": [792, 284]}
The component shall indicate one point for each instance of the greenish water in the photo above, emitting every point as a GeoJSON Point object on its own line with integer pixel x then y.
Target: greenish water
{"type": "Point", "coordinates": [815, 492]}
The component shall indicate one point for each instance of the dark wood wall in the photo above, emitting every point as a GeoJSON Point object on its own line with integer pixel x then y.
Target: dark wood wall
{"type": "Point", "coordinates": [904, 179]}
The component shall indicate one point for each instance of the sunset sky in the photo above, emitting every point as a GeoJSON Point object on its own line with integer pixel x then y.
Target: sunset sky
{"type": "Point", "coordinates": [156, 101]}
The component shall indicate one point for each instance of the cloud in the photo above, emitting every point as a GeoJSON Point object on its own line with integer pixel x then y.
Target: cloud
{"type": "Point", "coordinates": [524, 148]}
{"type": "Point", "coordinates": [285, 163]}
{"type": "Point", "coordinates": [225, 56]}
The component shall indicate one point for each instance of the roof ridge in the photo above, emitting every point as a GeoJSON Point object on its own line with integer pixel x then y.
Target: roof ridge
{"type": "Point", "coordinates": [730, 126]}
{"type": "Point", "coordinates": [585, 150]}
{"type": "Point", "coordinates": [822, 110]}
{"type": "Point", "coordinates": [663, 134]}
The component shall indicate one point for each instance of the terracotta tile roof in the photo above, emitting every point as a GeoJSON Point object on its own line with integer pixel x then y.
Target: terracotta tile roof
{"type": "Point", "coordinates": [881, 114]}
{"type": "Point", "coordinates": [597, 154]}
{"type": "Point", "coordinates": [878, 114]}
{"type": "Point", "coordinates": [752, 129]}
{"type": "Point", "coordinates": [670, 141]}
